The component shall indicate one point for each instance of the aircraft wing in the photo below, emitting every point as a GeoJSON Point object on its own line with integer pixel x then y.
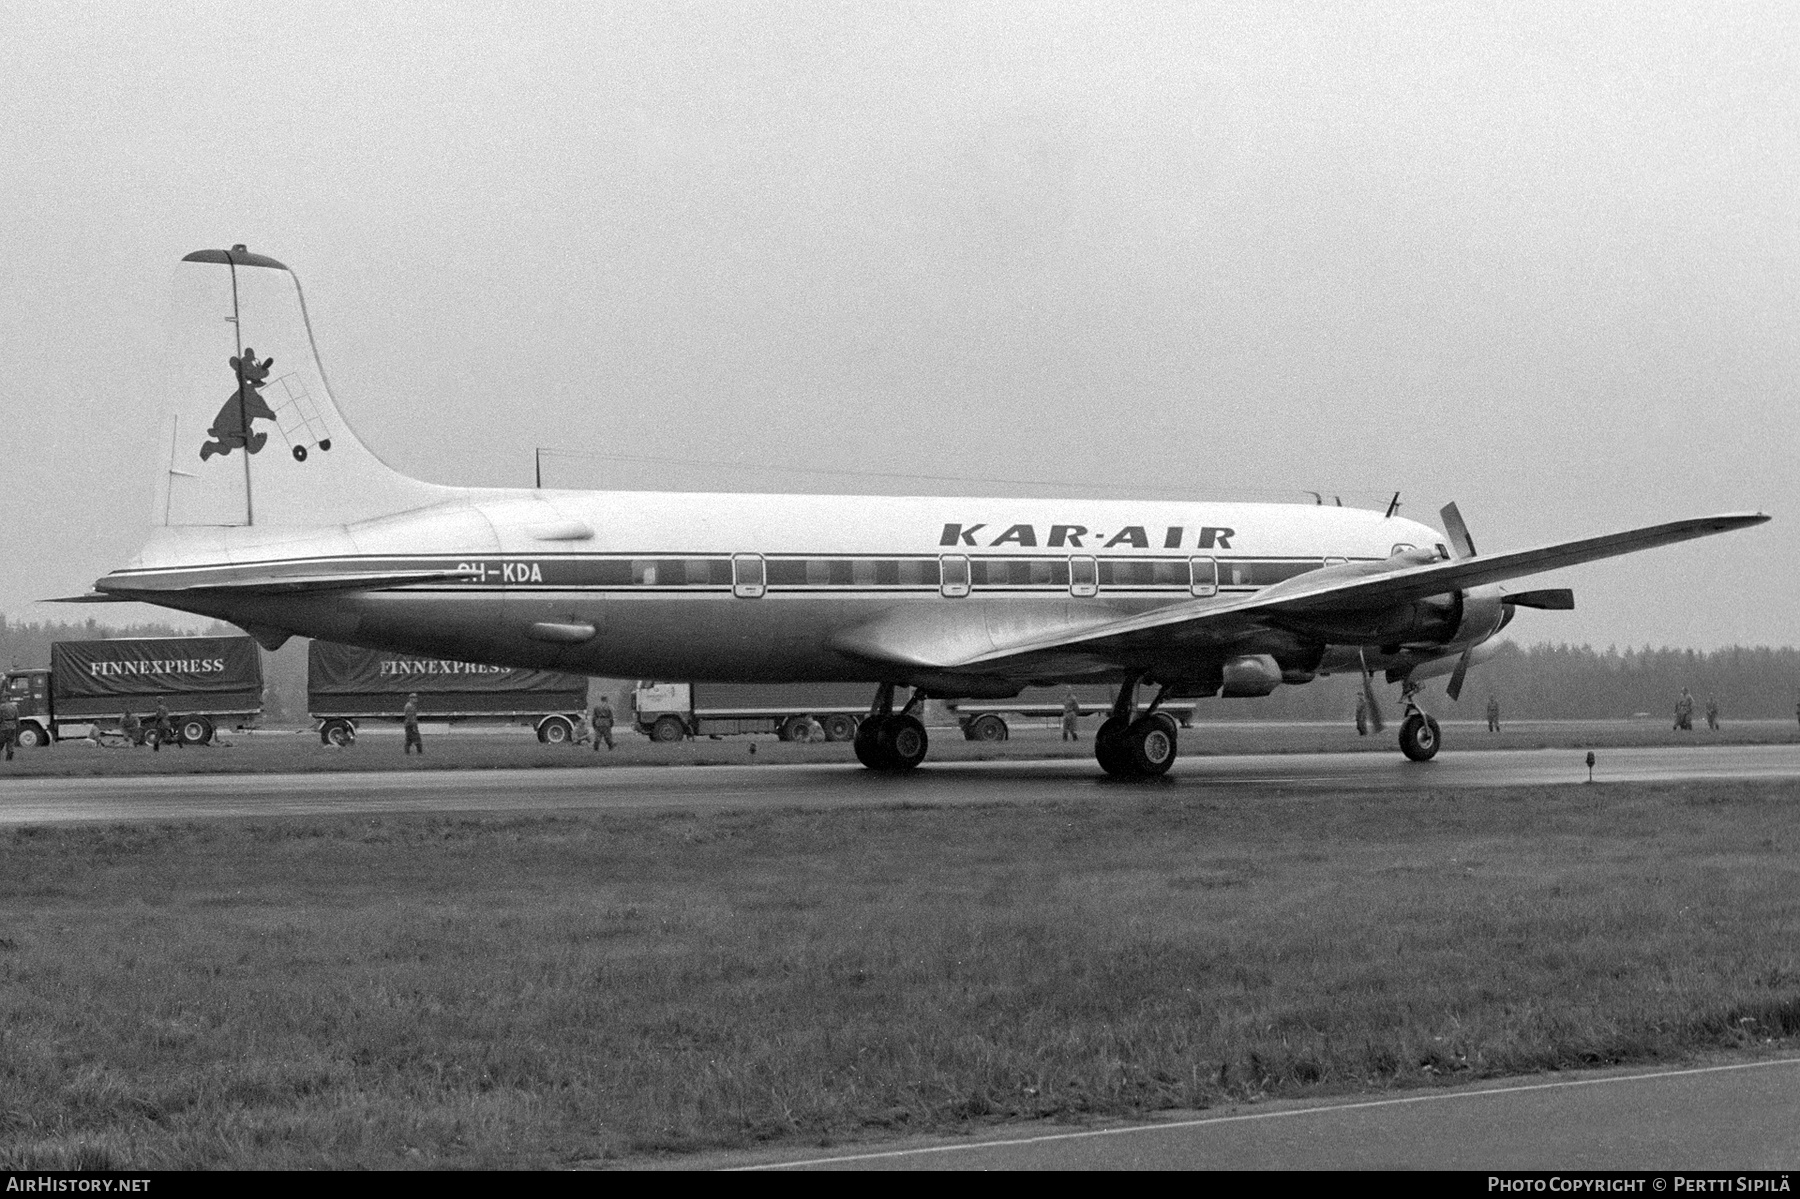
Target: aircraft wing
{"type": "Point", "coordinates": [1349, 588]}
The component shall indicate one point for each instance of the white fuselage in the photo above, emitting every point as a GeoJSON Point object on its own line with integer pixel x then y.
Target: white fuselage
{"type": "Point", "coordinates": [750, 587]}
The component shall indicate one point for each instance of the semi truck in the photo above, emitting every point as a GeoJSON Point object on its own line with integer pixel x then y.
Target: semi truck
{"type": "Point", "coordinates": [831, 711]}
{"type": "Point", "coordinates": [346, 684]}
{"type": "Point", "coordinates": [203, 682]}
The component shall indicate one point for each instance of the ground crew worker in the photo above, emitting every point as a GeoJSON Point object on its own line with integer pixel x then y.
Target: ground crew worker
{"type": "Point", "coordinates": [1712, 713]}
{"type": "Point", "coordinates": [1071, 712]}
{"type": "Point", "coordinates": [409, 716]}
{"type": "Point", "coordinates": [9, 725]}
{"type": "Point", "coordinates": [163, 729]}
{"type": "Point", "coordinates": [131, 730]}
{"type": "Point", "coordinates": [1493, 715]}
{"type": "Point", "coordinates": [1684, 712]}
{"type": "Point", "coordinates": [1362, 715]}
{"type": "Point", "coordinates": [603, 722]}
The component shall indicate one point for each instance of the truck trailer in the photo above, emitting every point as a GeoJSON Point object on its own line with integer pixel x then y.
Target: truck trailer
{"type": "Point", "coordinates": [203, 682]}
{"type": "Point", "coordinates": [792, 711]}
{"type": "Point", "coordinates": [346, 684]}
{"type": "Point", "coordinates": [831, 711]}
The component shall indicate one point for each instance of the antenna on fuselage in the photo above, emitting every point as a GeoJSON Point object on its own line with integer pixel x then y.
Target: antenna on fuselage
{"type": "Point", "coordinates": [1393, 506]}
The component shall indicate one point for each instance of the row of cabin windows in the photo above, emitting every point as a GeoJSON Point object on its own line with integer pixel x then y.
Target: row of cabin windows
{"type": "Point", "coordinates": [1202, 575]}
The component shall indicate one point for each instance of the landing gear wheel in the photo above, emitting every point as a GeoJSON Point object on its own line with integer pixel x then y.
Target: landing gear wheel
{"type": "Point", "coordinates": [1107, 748]}
{"type": "Point", "coordinates": [1148, 746]}
{"type": "Point", "coordinates": [867, 743]}
{"type": "Point", "coordinates": [903, 743]}
{"type": "Point", "coordinates": [1419, 739]}
{"type": "Point", "coordinates": [891, 744]}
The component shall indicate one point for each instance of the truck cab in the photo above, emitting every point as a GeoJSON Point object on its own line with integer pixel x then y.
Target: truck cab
{"type": "Point", "coordinates": [30, 689]}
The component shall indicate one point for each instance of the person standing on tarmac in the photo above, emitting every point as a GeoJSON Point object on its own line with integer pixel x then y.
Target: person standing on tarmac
{"type": "Point", "coordinates": [1684, 712]}
{"type": "Point", "coordinates": [163, 729]}
{"type": "Point", "coordinates": [9, 725]}
{"type": "Point", "coordinates": [1493, 715]}
{"type": "Point", "coordinates": [409, 716]}
{"type": "Point", "coordinates": [1712, 713]}
{"type": "Point", "coordinates": [603, 724]}
{"type": "Point", "coordinates": [1071, 712]}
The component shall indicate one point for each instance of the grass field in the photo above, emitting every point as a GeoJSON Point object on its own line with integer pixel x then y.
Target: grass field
{"type": "Point", "coordinates": [566, 990]}
{"type": "Point", "coordinates": [460, 749]}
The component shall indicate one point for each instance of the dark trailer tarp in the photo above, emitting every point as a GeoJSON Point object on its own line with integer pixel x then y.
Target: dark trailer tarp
{"type": "Point", "coordinates": [192, 675]}
{"type": "Point", "coordinates": [343, 680]}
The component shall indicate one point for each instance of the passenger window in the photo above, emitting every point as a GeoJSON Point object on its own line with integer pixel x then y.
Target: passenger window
{"type": "Point", "coordinates": [920, 572]}
{"type": "Point", "coordinates": [787, 572]}
{"type": "Point", "coordinates": [1203, 576]}
{"type": "Point", "coordinates": [644, 571]}
{"type": "Point", "coordinates": [1084, 577]}
{"type": "Point", "coordinates": [862, 572]}
{"type": "Point", "coordinates": [1169, 573]}
{"type": "Point", "coordinates": [955, 578]}
{"type": "Point", "coordinates": [747, 575]}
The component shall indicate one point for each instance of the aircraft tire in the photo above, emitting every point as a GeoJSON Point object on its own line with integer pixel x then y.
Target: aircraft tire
{"type": "Point", "coordinates": [867, 743]}
{"type": "Point", "coordinates": [903, 744]}
{"type": "Point", "coordinates": [1419, 737]}
{"type": "Point", "coordinates": [1149, 746]}
{"type": "Point", "coordinates": [1107, 750]}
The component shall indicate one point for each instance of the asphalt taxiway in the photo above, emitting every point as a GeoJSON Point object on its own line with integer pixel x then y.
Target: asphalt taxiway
{"type": "Point", "coordinates": [1729, 1117]}
{"type": "Point", "coordinates": [701, 788]}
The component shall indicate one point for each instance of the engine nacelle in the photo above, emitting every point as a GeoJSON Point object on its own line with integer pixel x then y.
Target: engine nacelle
{"type": "Point", "coordinates": [1456, 618]}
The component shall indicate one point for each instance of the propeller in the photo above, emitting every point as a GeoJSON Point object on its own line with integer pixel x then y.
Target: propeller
{"type": "Point", "coordinates": [1369, 701]}
{"type": "Point", "coordinates": [1463, 546]}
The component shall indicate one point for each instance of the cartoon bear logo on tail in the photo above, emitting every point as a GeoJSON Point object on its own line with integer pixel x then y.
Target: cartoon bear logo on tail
{"type": "Point", "coordinates": [245, 405]}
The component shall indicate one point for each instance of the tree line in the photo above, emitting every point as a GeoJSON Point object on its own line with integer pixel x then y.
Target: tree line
{"type": "Point", "coordinates": [1538, 682]}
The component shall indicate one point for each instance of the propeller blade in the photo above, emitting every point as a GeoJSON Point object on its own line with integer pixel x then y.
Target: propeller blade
{"type": "Point", "coordinates": [1368, 680]}
{"type": "Point", "coordinates": [1460, 542]}
{"type": "Point", "coordinates": [1454, 689]}
{"type": "Point", "coordinates": [1554, 599]}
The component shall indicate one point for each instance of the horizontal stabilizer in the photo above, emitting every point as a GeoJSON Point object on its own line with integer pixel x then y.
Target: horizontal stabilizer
{"type": "Point", "coordinates": [1554, 599]}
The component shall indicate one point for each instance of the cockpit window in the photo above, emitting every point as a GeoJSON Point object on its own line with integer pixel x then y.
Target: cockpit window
{"type": "Point", "coordinates": [1400, 548]}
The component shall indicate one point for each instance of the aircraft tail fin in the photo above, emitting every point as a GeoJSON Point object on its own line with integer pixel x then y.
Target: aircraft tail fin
{"type": "Point", "coordinates": [254, 436]}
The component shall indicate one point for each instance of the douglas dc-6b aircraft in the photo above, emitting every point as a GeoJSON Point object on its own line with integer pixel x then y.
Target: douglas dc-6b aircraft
{"type": "Point", "coordinates": [272, 515]}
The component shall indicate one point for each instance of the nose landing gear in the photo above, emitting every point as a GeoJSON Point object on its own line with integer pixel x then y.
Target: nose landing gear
{"type": "Point", "coordinates": [1419, 735]}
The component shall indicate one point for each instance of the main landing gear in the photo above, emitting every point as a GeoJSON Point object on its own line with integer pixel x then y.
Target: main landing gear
{"type": "Point", "coordinates": [1419, 736]}
{"type": "Point", "coordinates": [1130, 745]}
{"type": "Point", "coordinates": [889, 741]}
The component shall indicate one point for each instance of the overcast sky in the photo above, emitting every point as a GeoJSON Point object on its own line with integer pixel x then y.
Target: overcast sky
{"type": "Point", "coordinates": [1541, 259]}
